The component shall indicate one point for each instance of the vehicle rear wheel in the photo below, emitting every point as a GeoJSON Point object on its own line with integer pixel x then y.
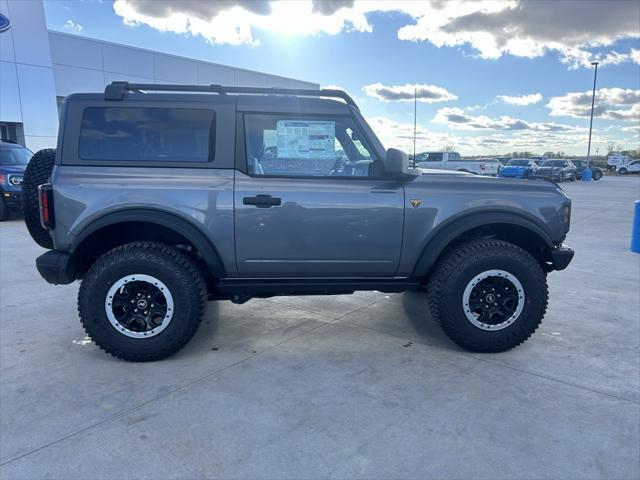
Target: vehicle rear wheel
{"type": "Point", "coordinates": [597, 176]}
{"type": "Point", "coordinates": [38, 171]}
{"type": "Point", "coordinates": [623, 171]}
{"type": "Point", "coordinates": [4, 210]}
{"type": "Point", "coordinates": [142, 301]}
{"type": "Point", "coordinates": [488, 295]}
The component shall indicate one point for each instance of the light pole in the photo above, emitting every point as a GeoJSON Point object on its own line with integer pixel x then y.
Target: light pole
{"type": "Point", "coordinates": [593, 101]}
{"type": "Point", "coordinates": [415, 122]}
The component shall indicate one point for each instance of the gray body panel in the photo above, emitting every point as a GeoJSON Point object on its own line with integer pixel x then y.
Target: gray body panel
{"type": "Point", "coordinates": [203, 197]}
{"type": "Point", "coordinates": [324, 227]}
{"type": "Point", "coordinates": [448, 198]}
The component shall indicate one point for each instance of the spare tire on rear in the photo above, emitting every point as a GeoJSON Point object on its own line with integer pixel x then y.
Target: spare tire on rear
{"type": "Point", "coordinates": [38, 171]}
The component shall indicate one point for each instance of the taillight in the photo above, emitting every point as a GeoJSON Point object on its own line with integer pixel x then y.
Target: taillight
{"type": "Point", "coordinates": [45, 197]}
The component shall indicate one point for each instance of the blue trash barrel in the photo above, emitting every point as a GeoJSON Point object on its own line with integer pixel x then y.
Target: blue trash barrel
{"type": "Point", "coordinates": [587, 175]}
{"type": "Point", "coordinates": [635, 230]}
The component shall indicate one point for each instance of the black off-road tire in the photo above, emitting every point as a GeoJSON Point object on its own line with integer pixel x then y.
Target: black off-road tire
{"type": "Point", "coordinates": [4, 210]}
{"type": "Point", "coordinates": [181, 275]}
{"type": "Point", "coordinates": [456, 269]}
{"type": "Point", "coordinates": [38, 171]}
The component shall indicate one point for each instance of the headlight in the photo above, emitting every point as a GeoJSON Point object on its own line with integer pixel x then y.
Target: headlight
{"type": "Point", "coordinates": [15, 180]}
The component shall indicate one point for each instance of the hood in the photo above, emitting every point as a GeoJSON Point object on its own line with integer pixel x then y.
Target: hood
{"type": "Point", "coordinates": [12, 169]}
{"type": "Point", "coordinates": [433, 171]}
{"type": "Point", "coordinates": [469, 182]}
{"type": "Point", "coordinates": [548, 169]}
{"type": "Point", "coordinates": [515, 167]}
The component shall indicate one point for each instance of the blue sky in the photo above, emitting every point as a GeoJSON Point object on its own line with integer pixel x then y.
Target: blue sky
{"type": "Point", "coordinates": [493, 77]}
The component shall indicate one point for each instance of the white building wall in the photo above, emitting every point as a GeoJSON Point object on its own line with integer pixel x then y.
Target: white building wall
{"type": "Point", "coordinates": [27, 91]}
{"type": "Point", "coordinates": [82, 64]}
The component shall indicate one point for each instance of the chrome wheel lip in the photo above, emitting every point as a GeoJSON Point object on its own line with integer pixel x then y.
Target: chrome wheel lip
{"type": "Point", "coordinates": [477, 279]}
{"type": "Point", "coordinates": [139, 277]}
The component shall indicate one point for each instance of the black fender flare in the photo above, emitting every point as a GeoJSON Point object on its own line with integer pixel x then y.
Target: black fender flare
{"type": "Point", "coordinates": [164, 219]}
{"type": "Point", "coordinates": [448, 231]}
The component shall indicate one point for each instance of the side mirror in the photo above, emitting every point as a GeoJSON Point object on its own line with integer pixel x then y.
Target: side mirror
{"type": "Point", "coordinates": [396, 162]}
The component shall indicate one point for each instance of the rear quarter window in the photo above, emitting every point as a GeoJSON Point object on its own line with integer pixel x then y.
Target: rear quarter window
{"type": "Point", "coordinates": [147, 134]}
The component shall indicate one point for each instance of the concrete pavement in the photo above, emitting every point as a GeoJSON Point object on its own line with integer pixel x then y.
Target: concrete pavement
{"type": "Point", "coordinates": [359, 386]}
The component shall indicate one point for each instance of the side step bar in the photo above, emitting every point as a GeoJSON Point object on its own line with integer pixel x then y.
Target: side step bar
{"type": "Point", "coordinates": [240, 291]}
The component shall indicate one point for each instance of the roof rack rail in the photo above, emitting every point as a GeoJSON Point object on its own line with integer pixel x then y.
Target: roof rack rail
{"type": "Point", "coordinates": [117, 90]}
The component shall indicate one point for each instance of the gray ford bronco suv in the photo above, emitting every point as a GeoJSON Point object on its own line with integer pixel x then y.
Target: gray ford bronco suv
{"type": "Point", "coordinates": [162, 197]}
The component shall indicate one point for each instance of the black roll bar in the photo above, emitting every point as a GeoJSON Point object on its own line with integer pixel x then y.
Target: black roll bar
{"type": "Point", "coordinates": [118, 90]}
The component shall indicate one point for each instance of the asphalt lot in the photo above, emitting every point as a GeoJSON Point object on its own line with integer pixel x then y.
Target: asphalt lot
{"type": "Point", "coordinates": [360, 386]}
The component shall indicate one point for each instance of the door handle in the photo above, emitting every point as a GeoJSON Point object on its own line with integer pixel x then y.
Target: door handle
{"type": "Point", "coordinates": [262, 201]}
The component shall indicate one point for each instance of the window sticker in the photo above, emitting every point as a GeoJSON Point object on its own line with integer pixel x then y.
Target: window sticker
{"type": "Point", "coordinates": [306, 139]}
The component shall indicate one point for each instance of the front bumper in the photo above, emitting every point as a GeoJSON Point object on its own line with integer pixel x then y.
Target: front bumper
{"type": "Point", "coordinates": [12, 199]}
{"type": "Point", "coordinates": [511, 175]}
{"type": "Point", "coordinates": [56, 267]}
{"type": "Point", "coordinates": [561, 256]}
{"type": "Point", "coordinates": [546, 176]}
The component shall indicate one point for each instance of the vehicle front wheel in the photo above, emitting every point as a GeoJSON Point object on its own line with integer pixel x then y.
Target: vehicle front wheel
{"type": "Point", "coordinates": [597, 176]}
{"type": "Point", "coordinates": [142, 301]}
{"type": "Point", "coordinates": [488, 295]}
{"type": "Point", "coordinates": [623, 171]}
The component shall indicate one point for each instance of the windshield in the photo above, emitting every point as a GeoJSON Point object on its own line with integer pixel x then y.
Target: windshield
{"type": "Point", "coordinates": [14, 156]}
{"type": "Point", "coordinates": [553, 163]}
{"type": "Point", "coordinates": [519, 163]}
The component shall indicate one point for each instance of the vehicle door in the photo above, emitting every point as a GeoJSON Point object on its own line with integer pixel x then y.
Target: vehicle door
{"type": "Point", "coordinates": [311, 200]}
{"type": "Point", "coordinates": [634, 166]}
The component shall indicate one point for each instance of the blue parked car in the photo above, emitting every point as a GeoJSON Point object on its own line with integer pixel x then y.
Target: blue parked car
{"type": "Point", "coordinates": [518, 168]}
{"type": "Point", "coordinates": [13, 161]}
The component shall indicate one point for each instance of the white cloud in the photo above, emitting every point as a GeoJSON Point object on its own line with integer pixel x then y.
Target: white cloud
{"type": "Point", "coordinates": [521, 100]}
{"type": "Point", "coordinates": [529, 28]}
{"type": "Point", "coordinates": [233, 21]}
{"type": "Point", "coordinates": [405, 93]}
{"type": "Point", "coordinates": [457, 119]}
{"type": "Point", "coordinates": [524, 28]}
{"type": "Point", "coordinates": [72, 26]}
{"type": "Point", "coordinates": [576, 58]}
{"type": "Point", "coordinates": [610, 104]}
{"type": "Point", "coordinates": [400, 135]}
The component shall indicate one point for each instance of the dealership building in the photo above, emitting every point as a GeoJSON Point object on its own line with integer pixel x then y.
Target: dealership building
{"type": "Point", "coordinates": [39, 67]}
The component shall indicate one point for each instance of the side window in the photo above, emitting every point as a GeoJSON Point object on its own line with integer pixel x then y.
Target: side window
{"type": "Point", "coordinates": [285, 145]}
{"type": "Point", "coordinates": [147, 134]}
{"type": "Point", "coordinates": [430, 157]}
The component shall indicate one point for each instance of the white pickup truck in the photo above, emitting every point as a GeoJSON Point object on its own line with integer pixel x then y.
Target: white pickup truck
{"type": "Point", "coordinates": [452, 161]}
{"type": "Point", "coordinates": [615, 161]}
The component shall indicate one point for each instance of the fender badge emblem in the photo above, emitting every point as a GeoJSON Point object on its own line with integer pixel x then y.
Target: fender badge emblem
{"type": "Point", "coordinates": [415, 202]}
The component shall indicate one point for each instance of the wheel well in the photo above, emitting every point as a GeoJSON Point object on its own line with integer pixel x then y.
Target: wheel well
{"type": "Point", "coordinates": [106, 238]}
{"type": "Point", "coordinates": [518, 235]}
